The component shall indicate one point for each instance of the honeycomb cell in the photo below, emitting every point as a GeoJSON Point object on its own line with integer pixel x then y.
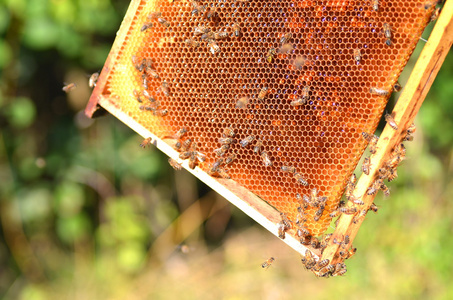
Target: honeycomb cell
{"type": "Point", "coordinates": [199, 86]}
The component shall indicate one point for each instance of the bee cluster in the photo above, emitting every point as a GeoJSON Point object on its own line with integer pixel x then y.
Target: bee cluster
{"type": "Point", "coordinates": [275, 107]}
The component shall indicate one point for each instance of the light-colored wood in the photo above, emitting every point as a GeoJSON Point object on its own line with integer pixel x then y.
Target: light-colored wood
{"type": "Point", "coordinates": [412, 97]}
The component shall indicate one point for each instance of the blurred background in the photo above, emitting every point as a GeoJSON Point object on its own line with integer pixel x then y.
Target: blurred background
{"type": "Point", "coordinates": [85, 213]}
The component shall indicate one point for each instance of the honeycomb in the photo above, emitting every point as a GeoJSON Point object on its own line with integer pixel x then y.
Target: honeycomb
{"type": "Point", "coordinates": [308, 100]}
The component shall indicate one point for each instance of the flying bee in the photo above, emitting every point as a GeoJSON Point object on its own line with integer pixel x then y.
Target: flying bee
{"type": "Point", "coordinates": [69, 87]}
{"type": "Point", "coordinates": [270, 55]}
{"type": "Point", "coordinates": [146, 142]}
{"type": "Point", "coordinates": [387, 34]}
{"type": "Point", "coordinates": [366, 166]}
{"type": "Point", "coordinates": [376, 5]}
{"type": "Point", "coordinates": [213, 47]}
{"type": "Point", "coordinates": [199, 30]}
{"type": "Point", "coordinates": [289, 169]}
{"type": "Point", "coordinates": [348, 210]}
{"type": "Point", "coordinates": [192, 43]}
{"type": "Point", "coordinates": [357, 55]}
{"type": "Point", "coordinates": [286, 48]}
{"type": "Point", "coordinates": [220, 35]}
{"type": "Point", "coordinates": [228, 132]}
{"type": "Point", "coordinates": [391, 121]}
{"type": "Point", "coordinates": [174, 164]}
{"type": "Point", "coordinates": [385, 190]}
{"type": "Point", "coordinates": [222, 150]}
{"type": "Point", "coordinates": [263, 93]}
{"type": "Point", "coordinates": [286, 38]}
{"type": "Point", "coordinates": [378, 91]}
{"type": "Point", "coordinates": [236, 29]}
{"type": "Point", "coordinates": [242, 102]}
{"type": "Point", "coordinates": [299, 62]}
{"type": "Point", "coordinates": [93, 80]}
{"type": "Point", "coordinates": [267, 263]}
{"type": "Point", "coordinates": [226, 141]}
{"type": "Point", "coordinates": [266, 159]}
{"type": "Point", "coordinates": [146, 26]}
{"type": "Point", "coordinates": [154, 15]}
{"type": "Point", "coordinates": [258, 145]}
{"type": "Point", "coordinates": [397, 87]}
{"type": "Point", "coordinates": [247, 140]}
{"type": "Point", "coordinates": [165, 89]}
{"type": "Point", "coordinates": [163, 22]}
{"type": "Point", "coordinates": [230, 158]}
{"type": "Point", "coordinates": [374, 207]}
{"type": "Point", "coordinates": [300, 179]}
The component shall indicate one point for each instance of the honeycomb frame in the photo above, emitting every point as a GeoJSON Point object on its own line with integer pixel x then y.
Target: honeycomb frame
{"type": "Point", "coordinates": [247, 201]}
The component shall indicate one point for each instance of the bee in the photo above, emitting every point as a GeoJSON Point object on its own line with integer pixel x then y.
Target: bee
{"type": "Point", "coordinates": [160, 112]}
{"type": "Point", "coordinates": [357, 55]}
{"type": "Point", "coordinates": [348, 210]}
{"type": "Point", "coordinates": [286, 48]}
{"type": "Point", "coordinates": [93, 80]}
{"type": "Point", "coordinates": [186, 144]}
{"type": "Point", "coordinates": [435, 15]}
{"type": "Point", "coordinates": [410, 132]}
{"type": "Point", "coordinates": [391, 121]}
{"type": "Point", "coordinates": [270, 55]}
{"type": "Point", "coordinates": [392, 175]}
{"type": "Point", "coordinates": [185, 154]}
{"type": "Point", "coordinates": [199, 30]}
{"type": "Point", "coordinates": [154, 15]}
{"type": "Point", "coordinates": [314, 242]}
{"type": "Point", "coordinates": [163, 22]}
{"type": "Point", "coordinates": [335, 213]}
{"type": "Point", "coordinates": [151, 72]}
{"type": "Point", "coordinates": [366, 166]}
{"type": "Point", "coordinates": [145, 81]}
{"type": "Point", "coordinates": [372, 141]}
{"type": "Point", "coordinates": [266, 159]}
{"type": "Point", "coordinates": [263, 93]}
{"type": "Point", "coordinates": [340, 269]}
{"type": "Point", "coordinates": [289, 169]}
{"type": "Point", "coordinates": [174, 164]}
{"type": "Point", "coordinates": [180, 133]}
{"type": "Point", "coordinates": [302, 232]}
{"type": "Point", "coordinates": [193, 160]}
{"type": "Point", "coordinates": [285, 221]}
{"type": "Point", "coordinates": [222, 150]}
{"type": "Point", "coordinates": [281, 230]}
{"type": "Point", "coordinates": [230, 158]}
{"type": "Point", "coordinates": [376, 5]}
{"type": "Point", "coordinates": [216, 165]}
{"type": "Point", "coordinates": [378, 91]}
{"type": "Point", "coordinates": [300, 179]}
{"type": "Point", "coordinates": [318, 214]}
{"type": "Point", "coordinates": [220, 35]}
{"type": "Point", "coordinates": [211, 13]}
{"type": "Point", "coordinates": [374, 187]}
{"type": "Point", "coordinates": [213, 47]}
{"type": "Point", "coordinates": [299, 62]}
{"type": "Point", "coordinates": [374, 208]}
{"type": "Point", "coordinates": [242, 102]}
{"type": "Point", "coordinates": [308, 260]}
{"type": "Point", "coordinates": [207, 36]}
{"type": "Point", "coordinates": [197, 8]}
{"type": "Point", "coordinates": [362, 213]}
{"type": "Point", "coordinates": [165, 89]}
{"type": "Point", "coordinates": [178, 145]}
{"type": "Point", "coordinates": [247, 140]}
{"type": "Point", "coordinates": [258, 145]}
{"type": "Point", "coordinates": [224, 174]}
{"type": "Point", "coordinates": [228, 132]}
{"type": "Point", "coordinates": [69, 87]}
{"type": "Point", "coordinates": [357, 201]}
{"type": "Point", "coordinates": [385, 190]}
{"type": "Point", "coordinates": [226, 141]}
{"type": "Point", "coordinates": [388, 34]}
{"type": "Point", "coordinates": [236, 29]}
{"type": "Point", "coordinates": [305, 97]}
{"type": "Point", "coordinates": [326, 271]}
{"type": "Point", "coordinates": [146, 142]}
{"type": "Point", "coordinates": [431, 3]}
{"type": "Point", "coordinates": [146, 26]}
{"type": "Point", "coordinates": [350, 186]}
{"type": "Point", "coordinates": [397, 87]}
{"type": "Point", "coordinates": [267, 263]}
{"type": "Point", "coordinates": [286, 38]}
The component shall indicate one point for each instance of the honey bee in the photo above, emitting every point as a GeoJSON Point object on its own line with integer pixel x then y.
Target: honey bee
{"type": "Point", "coordinates": [242, 102]}
{"type": "Point", "coordinates": [186, 144]}
{"type": "Point", "coordinates": [178, 145]}
{"type": "Point", "coordinates": [146, 142]}
{"type": "Point", "coordinates": [289, 169]}
{"type": "Point", "coordinates": [305, 97]}
{"type": "Point", "coordinates": [374, 207]}
{"type": "Point", "coordinates": [366, 166]}
{"type": "Point", "coordinates": [318, 214]}
{"type": "Point", "coordinates": [69, 87]}
{"type": "Point", "coordinates": [230, 158]}
{"type": "Point", "coordinates": [374, 187]}
{"type": "Point", "coordinates": [226, 141]}
{"type": "Point", "coordinates": [302, 232]}
{"type": "Point", "coordinates": [397, 87]}
{"type": "Point", "coordinates": [213, 47]}
{"type": "Point", "coordinates": [151, 72]}
{"type": "Point", "coordinates": [222, 150]}
{"type": "Point", "coordinates": [199, 30]}
{"type": "Point", "coordinates": [220, 35]}
{"type": "Point", "coordinates": [308, 260]}
{"type": "Point", "coordinates": [340, 269]}
{"type": "Point", "coordinates": [410, 132]}
{"type": "Point", "coordinates": [376, 5]}
{"type": "Point", "coordinates": [326, 271]}
{"type": "Point", "coordinates": [286, 48]}
{"type": "Point", "coordinates": [392, 175]}
{"type": "Point", "coordinates": [207, 36]}
{"type": "Point", "coordinates": [281, 230]}
{"type": "Point", "coordinates": [211, 13]}
{"type": "Point", "coordinates": [266, 159]}
{"type": "Point", "coordinates": [350, 186]}
{"type": "Point", "coordinates": [385, 190]}
{"type": "Point", "coordinates": [174, 164]}
{"type": "Point", "coordinates": [286, 38]}
{"type": "Point", "coordinates": [263, 93]}
{"type": "Point", "coordinates": [348, 210]}
{"type": "Point", "coordinates": [378, 91]}
{"type": "Point", "coordinates": [300, 179]}
{"type": "Point", "coordinates": [93, 80]}
{"type": "Point", "coordinates": [372, 141]}
{"type": "Point", "coordinates": [185, 154]}
{"type": "Point", "coordinates": [435, 15]}
{"type": "Point", "coordinates": [357, 55]}
{"type": "Point", "coordinates": [160, 112]}
{"type": "Point", "coordinates": [145, 81]}
{"type": "Point", "coordinates": [270, 55]}
{"type": "Point", "coordinates": [361, 214]}
{"type": "Point", "coordinates": [285, 221]}
{"type": "Point", "coordinates": [154, 15]}
{"type": "Point", "coordinates": [258, 145]}
{"type": "Point", "coordinates": [216, 165]}
{"type": "Point", "coordinates": [247, 140]}
{"type": "Point", "coordinates": [299, 62]}
{"type": "Point", "coordinates": [224, 174]}
{"type": "Point", "coordinates": [163, 22]}
{"type": "Point", "coordinates": [335, 213]}
{"type": "Point", "coordinates": [267, 263]}
{"type": "Point", "coordinates": [193, 160]}
{"type": "Point", "coordinates": [391, 121]}
{"type": "Point", "coordinates": [388, 34]}
{"type": "Point", "coordinates": [228, 132]}
{"type": "Point", "coordinates": [165, 89]}
{"type": "Point", "coordinates": [192, 43]}
{"type": "Point", "coordinates": [146, 26]}
{"type": "Point", "coordinates": [430, 3]}
{"type": "Point", "coordinates": [236, 29]}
